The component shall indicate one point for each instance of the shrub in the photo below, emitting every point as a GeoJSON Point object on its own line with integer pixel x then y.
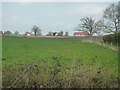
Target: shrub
{"type": "Point", "coordinates": [114, 38]}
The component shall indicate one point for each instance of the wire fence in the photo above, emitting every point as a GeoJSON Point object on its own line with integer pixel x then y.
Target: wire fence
{"type": "Point", "coordinates": [104, 44]}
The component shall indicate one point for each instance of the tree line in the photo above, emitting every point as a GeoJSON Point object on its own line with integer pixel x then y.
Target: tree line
{"type": "Point", "coordinates": [110, 23]}
{"type": "Point", "coordinates": [36, 32]}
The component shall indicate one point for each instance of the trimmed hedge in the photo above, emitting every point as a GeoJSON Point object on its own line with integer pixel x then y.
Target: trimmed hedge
{"type": "Point", "coordinates": [114, 38]}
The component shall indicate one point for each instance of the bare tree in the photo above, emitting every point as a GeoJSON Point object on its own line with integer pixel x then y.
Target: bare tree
{"type": "Point", "coordinates": [54, 33]}
{"type": "Point", "coordinates": [8, 33]}
{"type": "Point", "coordinates": [60, 33]}
{"type": "Point", "coordinates": [90, 26]}
{"type": "Point", "coordinates": [36, 29]}
{"type": "Point", "coordinates": [111, 16]}
{"type": "Point", "coordinates": [38, 33]}
{"type": "Point", "coordinates": [16, 32]}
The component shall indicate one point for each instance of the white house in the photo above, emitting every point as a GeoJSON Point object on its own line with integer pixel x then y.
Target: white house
{"type": "Point", "coordinates": [29, 33]}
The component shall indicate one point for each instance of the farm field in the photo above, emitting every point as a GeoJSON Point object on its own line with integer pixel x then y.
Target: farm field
{"type": "Point", "coordinates": [46, 62]}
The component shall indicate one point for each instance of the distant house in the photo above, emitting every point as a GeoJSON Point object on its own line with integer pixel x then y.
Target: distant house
{"type": "Point", "coordinates": [80, 34]}
{"type": "Point", "coordinates": [29, 33]}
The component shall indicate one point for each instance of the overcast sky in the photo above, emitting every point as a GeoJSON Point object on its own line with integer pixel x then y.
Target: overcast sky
{"type": "Point", "coordinates": [49, 16]}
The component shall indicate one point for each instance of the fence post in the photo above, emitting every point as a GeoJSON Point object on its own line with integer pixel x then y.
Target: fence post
{"type": "Point", "coordinates": [111, 44]}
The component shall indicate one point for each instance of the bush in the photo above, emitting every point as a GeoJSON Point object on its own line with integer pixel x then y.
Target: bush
{"type": "Point", "coordinates": [114, 38]}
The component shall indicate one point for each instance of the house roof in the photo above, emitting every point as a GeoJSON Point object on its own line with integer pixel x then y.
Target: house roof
{"type": "Point", "coordinates": [29, 33]}
{"type": "Point", "coordinates": [79, 33]}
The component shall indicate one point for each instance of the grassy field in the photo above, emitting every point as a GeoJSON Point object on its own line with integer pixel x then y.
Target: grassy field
{"type": "Point", "coordinates": [79, 64]}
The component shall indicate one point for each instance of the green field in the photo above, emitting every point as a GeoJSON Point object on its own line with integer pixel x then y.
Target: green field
{"type": "Point", "coordinates": [69, 53]}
